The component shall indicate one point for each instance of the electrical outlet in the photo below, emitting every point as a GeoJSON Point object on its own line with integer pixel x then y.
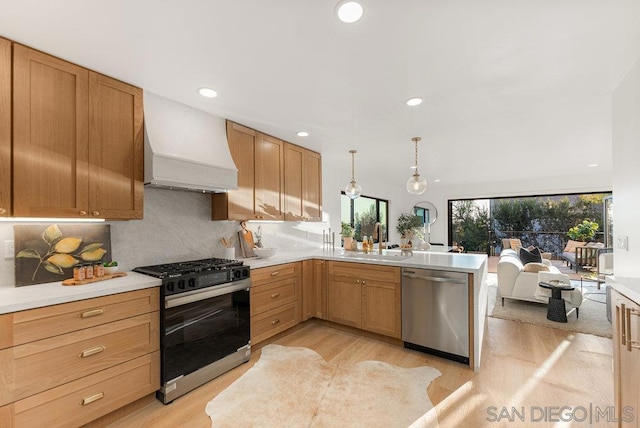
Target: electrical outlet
{"type": "Point", "coordinates": [623, 242]}
{"type": "Point", "coordinates": [9, 249]}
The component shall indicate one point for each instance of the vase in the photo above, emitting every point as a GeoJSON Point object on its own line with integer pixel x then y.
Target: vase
{"type": "Point", "coordinates": [347, 242]}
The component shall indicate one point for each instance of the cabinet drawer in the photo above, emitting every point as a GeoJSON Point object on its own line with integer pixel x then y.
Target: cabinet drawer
{"type": "Point", "coordinates": [273, 322]}
{"type": "Point", "coordinates": [81, 401]}
{"type": "Point", "coordinates": [28, 326]}
{"type": "Point", "coordinates": [365, 271]}
{"type": "Point", "coordinates": [269, 274]}
{"type": "Point", "coordinates": [37, 366]}
{"type": "Point", "coordinates": [272, 295]}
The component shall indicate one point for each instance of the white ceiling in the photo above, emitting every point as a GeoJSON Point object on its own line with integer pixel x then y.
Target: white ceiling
{"type": "Point", "coordinates": [511, 88]}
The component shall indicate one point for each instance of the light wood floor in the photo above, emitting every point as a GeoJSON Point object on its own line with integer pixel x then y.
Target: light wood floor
{"type": "Point", "coordinates": [522, 366]}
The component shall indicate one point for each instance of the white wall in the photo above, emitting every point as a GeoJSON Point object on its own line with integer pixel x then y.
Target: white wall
{"type": "Point", "coordinates": [626, 176]}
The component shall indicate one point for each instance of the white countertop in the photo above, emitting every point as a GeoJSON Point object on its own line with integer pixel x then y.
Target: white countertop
{"type": "Point", "coordinates": [13, 299]}
{"type": "Point", "coordinates": [470, 263]}
{"type": "Point", "coordinates": [629, 287]}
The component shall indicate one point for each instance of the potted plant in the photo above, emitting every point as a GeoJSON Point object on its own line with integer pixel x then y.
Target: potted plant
{"type": "Point", "coordinates": [110, 267]}
{"type": "Point", "coordinates": [409, 226]}
{"type": "Point", "coordinates": [584, 231]}
{"type": "Point", "coordinates": [347, 231]}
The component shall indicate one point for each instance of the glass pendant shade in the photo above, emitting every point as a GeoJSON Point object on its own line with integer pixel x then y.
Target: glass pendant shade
{"type": "Point", "coordinates": [353, 189]}
{"type": "Point", "coordinates": [417, 184]}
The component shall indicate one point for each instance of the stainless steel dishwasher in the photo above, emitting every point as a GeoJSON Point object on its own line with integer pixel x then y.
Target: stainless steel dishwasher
{"type": "Point", "coordinates": [435, 312]}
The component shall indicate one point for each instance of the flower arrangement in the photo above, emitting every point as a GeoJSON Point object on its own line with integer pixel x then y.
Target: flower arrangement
{"type": "Point", "coordinates": [584, 231]}
{"type": "Point", "coordinates": [347, 230]}
{"type": "Point", "coordinates": [409, 225]}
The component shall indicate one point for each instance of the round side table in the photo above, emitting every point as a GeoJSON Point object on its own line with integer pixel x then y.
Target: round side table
{"type": "Point", "coordinates": [556, 310]}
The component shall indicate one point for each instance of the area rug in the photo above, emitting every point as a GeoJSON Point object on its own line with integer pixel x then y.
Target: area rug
{"type": "Point", "coordinates": [295, 387]}
{"type": "Point", "coordinates": [593, 317]}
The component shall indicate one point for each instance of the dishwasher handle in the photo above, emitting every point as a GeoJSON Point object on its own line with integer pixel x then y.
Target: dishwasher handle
{"type": "Point", "coordinates": [412, 275]}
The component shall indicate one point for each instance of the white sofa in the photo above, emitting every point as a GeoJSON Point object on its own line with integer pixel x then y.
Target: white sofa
{"type": "Point", "coordinates": [515, 283]}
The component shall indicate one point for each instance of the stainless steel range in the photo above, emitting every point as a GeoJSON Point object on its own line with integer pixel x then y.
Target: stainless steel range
{"type": "Point", "coordinates": [204, 321]}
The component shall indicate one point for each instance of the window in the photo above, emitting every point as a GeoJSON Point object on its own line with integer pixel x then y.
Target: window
{"type": "Point", "coordinates": [363, 213]}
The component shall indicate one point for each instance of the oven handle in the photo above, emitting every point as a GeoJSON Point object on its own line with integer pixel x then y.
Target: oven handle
{"type": "Point", "coordinates": [205, 293]}
{"type": "Point", "coordinates": [193, 321]}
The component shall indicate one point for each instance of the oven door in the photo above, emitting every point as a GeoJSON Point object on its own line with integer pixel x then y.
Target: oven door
{"type": "Point", "coordinates": [203, 326]}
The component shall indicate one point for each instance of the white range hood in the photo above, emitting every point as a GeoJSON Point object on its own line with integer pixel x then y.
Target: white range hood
{"type": "Point", "coordinates": [186, 148]}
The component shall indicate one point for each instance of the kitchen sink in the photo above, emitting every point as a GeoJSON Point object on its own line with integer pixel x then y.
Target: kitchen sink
{"type": "Point", "coordinates": [375, 256]}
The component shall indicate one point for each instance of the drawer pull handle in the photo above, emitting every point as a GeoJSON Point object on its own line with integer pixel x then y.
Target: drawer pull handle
{"type": "Point", "coordinates": [92, 313]}
{"type": "Point", "coordinates": [275, 273]}
{"type": "Point", "coordinates": [274, 295]}
{"type": "Point", "coordinates": [274, 322]}
{"type": "Point", "coordinates": [92, 351]}
{"type": "Point", "coordinates": [90, 399]}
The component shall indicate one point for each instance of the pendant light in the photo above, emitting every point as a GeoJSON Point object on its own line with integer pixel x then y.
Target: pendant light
{"type": "Point", "coordinates": [353, 189]}
{"type": "Point", "coordinates": [416, 185]}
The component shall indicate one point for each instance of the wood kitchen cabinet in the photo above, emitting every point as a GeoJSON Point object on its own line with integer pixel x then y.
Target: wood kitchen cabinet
{"type": "Point", "coordinates": [260, 162]}
{"type": "Point", "coordinates": [77, 141]}
{"type": "Point", "coordinates": [276, 300]}
{"type": "Point", "coordinates": [314, 291]}
{"type": "Point", "coordinates": [365, 296]}
{"type": "Point", "coordinates": [68, 364]}
{"type": "Point", "coordinates": [303, 184]}
{"type": "Point", "coordinates": [5, 128]}
{"type": "Point", "coordinates": [626, 358]}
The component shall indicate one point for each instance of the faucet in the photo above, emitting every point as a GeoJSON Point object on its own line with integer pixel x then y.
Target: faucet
{"type": "Point", "coordinates": [377, 234]}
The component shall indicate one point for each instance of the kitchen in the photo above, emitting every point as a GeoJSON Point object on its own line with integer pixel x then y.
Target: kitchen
{"type": "Point", "coordinates": [177, 225]}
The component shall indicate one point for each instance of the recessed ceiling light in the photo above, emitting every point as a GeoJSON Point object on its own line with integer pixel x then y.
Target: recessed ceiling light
{"type": "Point", "coordinates": [349, 11]}
{"type": "Point", "coordinates": [412, 102]}
{"type": "Point", "coordinates": [436, 181]}
{"type": "Point", "coordinates": [591, 165]}
{"type": "Point", "coordinates": [302, 134]}
{"type": "Point", "coordinates": [207, 92]}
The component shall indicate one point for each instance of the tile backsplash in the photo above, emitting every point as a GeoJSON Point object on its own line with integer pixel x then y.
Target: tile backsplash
{"type": "Point", "coordinates": [177, 226]}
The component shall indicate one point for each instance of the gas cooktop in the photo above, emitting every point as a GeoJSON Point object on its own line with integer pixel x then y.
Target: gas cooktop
{"type": "Point", "coordinates": [172, 270]}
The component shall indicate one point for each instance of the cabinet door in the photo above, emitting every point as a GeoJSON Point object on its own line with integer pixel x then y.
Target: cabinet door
{"type": "Point", "coordinates": [314, 301]}
{"type": "Point", "coordinates": [381, 306]}
{"type": "Point", "coordinates": [343, 300]}
{"type": "Point", "coordinates": [269, 170]}
{"type": "Point", "coordinates": [293, 170]}
{"type": "Point", "coordinates": [50, 136]}
{"type": "Point", "coordinates": [312, 186]}
{"type": "Point", "coordinates": [5, 128]}
{"type": "Point", "coordinates": [239, 204]}
{"type": "Point", "coordinates": [115, 149]}
{"type": "Point", "coordinates": [302, 186]}
{"type": "Point", "coordinates": [626, 356]}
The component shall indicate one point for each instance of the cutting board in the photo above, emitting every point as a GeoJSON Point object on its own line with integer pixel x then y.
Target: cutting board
{"type": "Point", "coordinates": [72, 281]}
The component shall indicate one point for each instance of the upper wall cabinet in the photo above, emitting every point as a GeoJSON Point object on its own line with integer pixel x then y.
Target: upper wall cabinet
{"type": "Point", "coordinates": [5, 128]}
{"type": "Point", "coordinates": [116, 144]}
{"type": "Point", "coordinates": [303, 184]}
{"type": "Point", "coordinates": [260, 162]}
{"type": "Point", "coordinates": [276, 180]}
{"type": "Point", "coordinates": [77, 141]}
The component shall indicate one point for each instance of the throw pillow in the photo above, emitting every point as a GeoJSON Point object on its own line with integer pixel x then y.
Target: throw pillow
{"type": "Point", "coordinates": [571, 246]}
{"type": "Point", "coordinates": [530, 256]}
{"type": "Point", "coordinates": [515, 244]}
{"type": "Point", "coordinates": [536, 267]}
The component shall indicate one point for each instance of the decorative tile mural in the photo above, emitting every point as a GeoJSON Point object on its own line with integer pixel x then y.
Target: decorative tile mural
{"type": "Point", "coordinates": [48, 253]}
